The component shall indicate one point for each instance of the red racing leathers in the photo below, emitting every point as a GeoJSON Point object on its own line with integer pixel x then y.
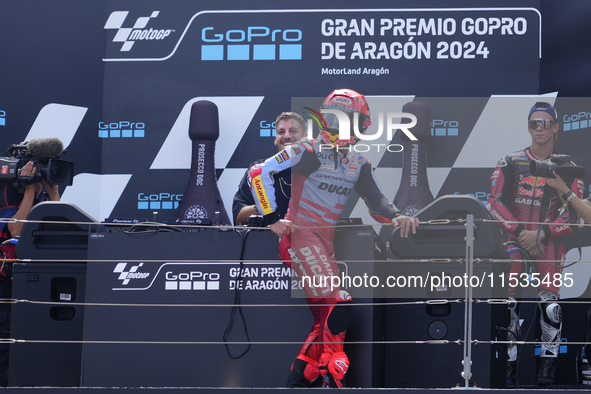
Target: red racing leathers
{"type": "Point", "coordinates": [517, 196]}
{"type": "Point", "coordinates": [322, 180]}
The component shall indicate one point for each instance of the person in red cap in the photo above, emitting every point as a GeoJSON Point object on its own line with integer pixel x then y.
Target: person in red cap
{"type": "Point", "coordinates": [517, 196]}
{"type": "Point", "coordinates": [323, 172]}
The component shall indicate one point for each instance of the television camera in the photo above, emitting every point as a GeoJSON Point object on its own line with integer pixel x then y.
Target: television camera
{"type": "Point", "coordinates": [45, 153]}
{"type": "Point", "coordinates": [559, 164]}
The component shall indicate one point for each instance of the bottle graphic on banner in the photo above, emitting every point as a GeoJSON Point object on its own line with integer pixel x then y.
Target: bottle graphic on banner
{"type": "Point", "coordinates": [202, 199]}
{"type": "Point", "coordinates": [414, 193]}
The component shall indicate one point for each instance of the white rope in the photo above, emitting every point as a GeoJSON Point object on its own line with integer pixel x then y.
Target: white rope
{"type": "Point", "coordinates": [351, 304]}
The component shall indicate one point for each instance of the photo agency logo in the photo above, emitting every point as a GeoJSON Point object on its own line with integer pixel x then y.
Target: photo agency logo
{"type": "Point", "coordinates": [346, 125]}
{"type": "Point", "coordinates": [138, 32]}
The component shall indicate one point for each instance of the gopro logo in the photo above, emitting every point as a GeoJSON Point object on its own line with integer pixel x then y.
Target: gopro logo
{"type": "Point", "coordinates": [578, 121]}
{"type": "Point", "coordinates": [123, 129]}
{"type": "Point", "coordinates": [194, 280]}
{"type": "Point", "coordinates": [158, 201]}
{"type": "Point", "coordinates": [252, 43]}
{"type": "Point", "coordinates": [444, 128]}
{"type": "Point", "coordinates": [267, 129]}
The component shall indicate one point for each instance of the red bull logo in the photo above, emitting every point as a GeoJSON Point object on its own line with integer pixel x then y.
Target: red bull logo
{"type": "Point", "coordinates": [533, 181]}
{"type": "Point", "coordinates": [530, 192]}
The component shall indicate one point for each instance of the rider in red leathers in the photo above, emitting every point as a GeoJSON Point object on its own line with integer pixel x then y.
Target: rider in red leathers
{"type": "Point", "coordinates": [517, 196]}
{"type": "Point", "coordinates": [324, 172]}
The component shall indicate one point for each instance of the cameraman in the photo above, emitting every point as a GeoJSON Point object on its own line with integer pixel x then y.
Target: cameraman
{"type": "Point", "coordinates": [16, 203]}
{"type": "Point", "coordinates": [517, 196]}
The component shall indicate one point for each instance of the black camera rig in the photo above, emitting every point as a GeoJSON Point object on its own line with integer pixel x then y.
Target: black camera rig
{"type": "Point", "coordinates": [559, 164]}
{"type": "Point", "coordinates": [50, 168]}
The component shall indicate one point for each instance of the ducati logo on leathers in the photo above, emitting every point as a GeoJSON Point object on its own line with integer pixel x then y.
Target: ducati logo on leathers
{"type": "Point", "coordinates": [343, 191]}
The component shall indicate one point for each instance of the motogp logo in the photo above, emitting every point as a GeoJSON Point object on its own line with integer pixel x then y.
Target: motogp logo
{"type": "Point", "coordinates": [126, 276]}
{"type": "Point", "coordinates": [128, 35]}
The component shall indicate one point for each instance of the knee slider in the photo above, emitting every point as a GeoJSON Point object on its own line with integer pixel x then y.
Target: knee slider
{"type": "Point", "coordinates": [553, 313]}
{"type": "Point", "coordinates": [551, 310]}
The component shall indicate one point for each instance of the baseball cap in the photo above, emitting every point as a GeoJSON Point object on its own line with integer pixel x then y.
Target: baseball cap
{"type": "Point", "coordinates": [545, 107]}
